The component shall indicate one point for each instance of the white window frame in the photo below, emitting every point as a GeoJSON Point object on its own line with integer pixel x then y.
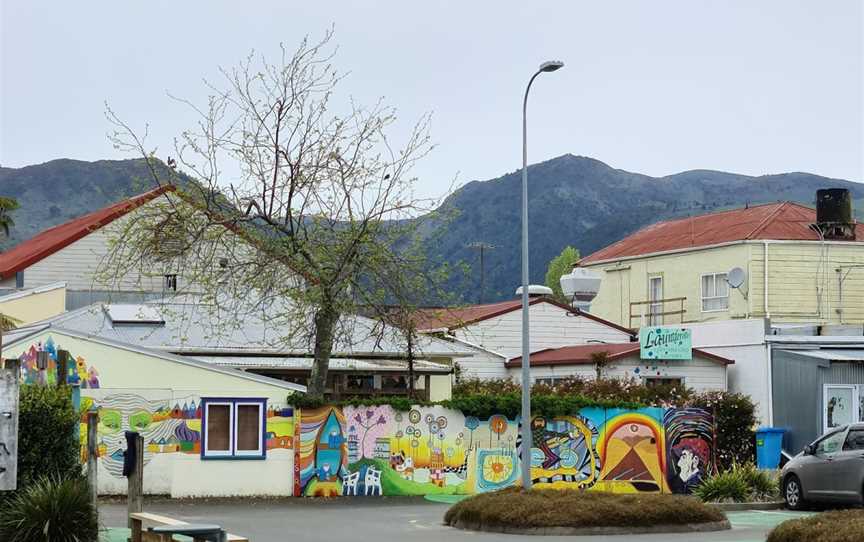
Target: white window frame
{"type": "Point", "coordinates": [232, 404]}
{"type": "Point", "coordinates": [205, 449]}
{"type": "Point", "coordinates": [856, 403]}
{"type": "Point", "coordinates": [262, 428]}
{"type": "Point", "coordinates": [702, 293]}
{"type": "Point", "coordinates": [655, 318]}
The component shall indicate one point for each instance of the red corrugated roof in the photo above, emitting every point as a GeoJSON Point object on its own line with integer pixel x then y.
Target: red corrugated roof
{"type": "Point", "coordinates": [434, 319]}
{"type": "Point", "coordinates": [581, 354]}
{"type": "Point", "coordinates": [53, 239]}
{"type": "Point", "coordinates": [775, 221]}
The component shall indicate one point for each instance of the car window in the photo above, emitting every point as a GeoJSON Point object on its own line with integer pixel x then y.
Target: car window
{"type": "Point", "coordinates": [855, 440]}
{"type": "Point", "coordinates": [830, 443]}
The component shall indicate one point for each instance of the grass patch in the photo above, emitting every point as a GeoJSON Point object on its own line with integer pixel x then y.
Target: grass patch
{"type": "Point", "coordinates": [573, 508]}
{"type": "Point", "coordinates": [741, 483]}
{"type": "Point", "coordinates": [836, 526]}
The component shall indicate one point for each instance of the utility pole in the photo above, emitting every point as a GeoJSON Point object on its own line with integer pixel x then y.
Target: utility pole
{"type": "Point", "coordinates": [482, 247]}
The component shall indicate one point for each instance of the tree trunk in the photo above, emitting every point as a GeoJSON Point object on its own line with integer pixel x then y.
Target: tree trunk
{"type": "Point", "coordinates": [410, 364]}
{"type": "Point", "coordinates": [325, 329]}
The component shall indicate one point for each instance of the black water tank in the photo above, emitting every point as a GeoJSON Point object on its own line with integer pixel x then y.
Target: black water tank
{"type": "Point", "coordinates": [834, 206]}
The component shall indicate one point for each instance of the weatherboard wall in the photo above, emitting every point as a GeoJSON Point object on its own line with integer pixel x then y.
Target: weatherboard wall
{"type": "Point", "coordinates": [551, 327]}
{"type": "Point", "coordinates": [699, 374]}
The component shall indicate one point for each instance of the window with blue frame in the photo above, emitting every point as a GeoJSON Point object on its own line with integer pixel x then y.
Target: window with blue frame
{"type": "Point", "coordinates": [233, 428]}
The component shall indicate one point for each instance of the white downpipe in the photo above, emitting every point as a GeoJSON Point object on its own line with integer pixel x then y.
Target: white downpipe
{"type": "Point", "coordinates": [765, 286]}
{"type": "Point", "coordinates": [770, 387]}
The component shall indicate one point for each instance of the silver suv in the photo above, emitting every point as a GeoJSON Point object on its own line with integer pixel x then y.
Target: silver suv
{"type": "Point", "coordinates": [831, 469]}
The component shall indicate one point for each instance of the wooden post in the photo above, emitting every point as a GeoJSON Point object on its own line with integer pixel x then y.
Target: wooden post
{"type": "Point", "coordinates": [92, 456]}
{"type": "Point", "coordinates": [9, 425]}
{"type": "Point", "coordinates": [62, 367]}
{"type": "Point", "coordinates": [135, 492]}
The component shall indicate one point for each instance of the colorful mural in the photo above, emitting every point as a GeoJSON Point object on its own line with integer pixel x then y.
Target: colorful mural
{"type": "Point", "coordinates": [77, 370]}
{"type": "Point", "coordinates": [432, 450]}
{"type": "Point", "coordinates": [168, 424]}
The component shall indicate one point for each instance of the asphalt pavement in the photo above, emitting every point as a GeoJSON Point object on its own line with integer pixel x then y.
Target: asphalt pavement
{"type": "Point", "coordinates": [386, 519]}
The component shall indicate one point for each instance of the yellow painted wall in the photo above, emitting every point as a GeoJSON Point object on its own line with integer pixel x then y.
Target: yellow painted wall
{"type": "Point", "coordinates": [36, 306]}
{"type": "Point", "coordinates": [803, 282]}
{"type": "Point", "coordinates": [627, 281]}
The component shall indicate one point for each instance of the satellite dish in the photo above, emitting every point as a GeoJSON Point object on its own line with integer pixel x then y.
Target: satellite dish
{"type": "Point", "coordinates": [735, 277]}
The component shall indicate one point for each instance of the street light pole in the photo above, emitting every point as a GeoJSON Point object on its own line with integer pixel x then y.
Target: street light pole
{"type": "Point", "coordinates": [550, 66]}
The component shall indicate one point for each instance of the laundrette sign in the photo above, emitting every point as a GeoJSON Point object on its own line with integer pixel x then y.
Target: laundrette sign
{"type": "Point", "coordinates": [657, 342]}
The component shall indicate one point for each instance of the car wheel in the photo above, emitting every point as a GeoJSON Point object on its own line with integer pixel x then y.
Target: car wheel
{"type": "Point", "coordinates": [793, 494]}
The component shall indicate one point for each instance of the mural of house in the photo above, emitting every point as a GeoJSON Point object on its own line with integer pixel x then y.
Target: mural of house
{"type": "Point", "coordinates": [704, 372]}
{"type": "Point", "coordinates": [496, 329]}
{"type": "Point", "coordinates": [795, 270]}
{"type": "Point", "coordinates": [190, 413]}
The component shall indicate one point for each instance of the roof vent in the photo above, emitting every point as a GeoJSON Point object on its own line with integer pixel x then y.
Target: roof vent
{"type": "Point", "coordinates": [535, 290]}
{"type": "Point", "coordinates": [834, 214]}
{"type": "Point", "coordinates": [134, 315]}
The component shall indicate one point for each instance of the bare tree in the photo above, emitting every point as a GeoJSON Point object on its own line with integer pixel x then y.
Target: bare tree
{"type": "Point", "coordinates": [313, 202]}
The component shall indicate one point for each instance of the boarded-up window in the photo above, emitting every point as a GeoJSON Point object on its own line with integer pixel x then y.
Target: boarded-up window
{"type": "Point", "coordinates": [219, 428]}
{"type": "Point", "coordinates": [234, 428]}
{"type": "Point", "coordinates": [248, 427]}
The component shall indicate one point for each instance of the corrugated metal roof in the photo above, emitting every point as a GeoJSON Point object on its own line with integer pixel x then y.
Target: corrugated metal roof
{"type": "Point", "coordinates": [336, 364]}
{"type": "Point", "coordinates": [53, 239]}
{"type": "Point", "coordinates": [775, 221]}
{"type": "Point", "coordinates": [581, 354]}
{"type": "Point", "coordinates": [833, 354]}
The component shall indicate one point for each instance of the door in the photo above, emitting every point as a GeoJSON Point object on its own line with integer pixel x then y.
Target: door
{"type": "Point", "coordinates": [655, 296]}
{"type": "Point", "coordinates": [848, 466]}
{"type": "Point", "coordinates": [840, 406]}
{"type": "Point", "coordinates": [817, 470]}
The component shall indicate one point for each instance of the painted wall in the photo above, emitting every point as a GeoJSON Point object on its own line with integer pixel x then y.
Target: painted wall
{"type": "Point", "coordinates": [34, 305]}
{"type": "Point", "coordinates": [160, 399]}
{"type": "Point", "coordinates": [550, 328]}
{"type": "Point", "coordinates": [803, 282]}
{"type": "Point", "coordinates": [627, 281]}
{"type": "Point", "coordinates": [363, 451]}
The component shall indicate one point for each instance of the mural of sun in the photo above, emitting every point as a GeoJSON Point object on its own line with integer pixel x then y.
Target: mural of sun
{"type": "Point", "coordinates": [497, 468]}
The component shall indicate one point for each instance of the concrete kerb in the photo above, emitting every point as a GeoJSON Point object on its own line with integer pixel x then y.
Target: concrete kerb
{"type": "Point", "coordinates": [590, 531]}
{"type": "Point", "coordinates": [747, 506]}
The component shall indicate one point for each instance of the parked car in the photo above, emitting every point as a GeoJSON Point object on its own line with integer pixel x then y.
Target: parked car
{"type": "Point", "coordinates": [831, 470]}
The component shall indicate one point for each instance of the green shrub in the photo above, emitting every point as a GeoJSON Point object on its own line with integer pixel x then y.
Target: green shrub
{"type": "Point", "coordinates": [573, 508]}
{"type": "Point", "coordinates": [47, 441]}
{"type": "Point", "coordinates": [734, 420]}
{"type": "Point", "coordinates": [727, 486]}
{"type": "Point", "coordinates": [50, 508]}
{"type": "Point", "coordinates": [741, 483]}
{"type": "Point", "coordinates": [837, 526]}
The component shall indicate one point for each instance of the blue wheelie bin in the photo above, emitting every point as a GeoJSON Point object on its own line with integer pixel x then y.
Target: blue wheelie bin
{"type": "Point", "coordinates": [769, 443]}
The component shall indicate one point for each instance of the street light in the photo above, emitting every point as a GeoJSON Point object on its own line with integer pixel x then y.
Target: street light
{"type": "Point", "coordinates": [549, 66]}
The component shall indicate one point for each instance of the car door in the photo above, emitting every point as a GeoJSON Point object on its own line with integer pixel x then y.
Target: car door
{"type": "Point", "coordinates": [848, 466]}
{"type": "Point", "coordinates": [817, 470]}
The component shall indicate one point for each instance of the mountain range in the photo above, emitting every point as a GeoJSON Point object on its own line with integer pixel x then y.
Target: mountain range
{"type": "Point", "coordinates": [573, 200]}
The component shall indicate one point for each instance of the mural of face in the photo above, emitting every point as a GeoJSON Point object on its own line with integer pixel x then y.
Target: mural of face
{"type": "Point", "coordinates": [688, 465]}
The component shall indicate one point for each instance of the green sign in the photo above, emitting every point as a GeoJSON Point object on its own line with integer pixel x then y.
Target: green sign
{"type": "Point", "coordinates": [665, 343]}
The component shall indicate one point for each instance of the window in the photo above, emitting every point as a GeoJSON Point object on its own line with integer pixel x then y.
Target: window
{"type": "Point", "coordinates": [855, 440]}
{"type": "Point", "coordinates": [19, 279]}
{"type": "Point", "coordinates": [655, 295]}
{"type": "Point", "coordinates": [715, 292]}
{"type": "Point", "coordinates": [655, 381]}
{"type": "Point", "coordinates": [830, 443]}
{"type": "Point", "coordinates": [840, 405]}
{"type": "Point", "coordinates": [233, 428]}
{"type": "Point", "coordinates": [171, 282]}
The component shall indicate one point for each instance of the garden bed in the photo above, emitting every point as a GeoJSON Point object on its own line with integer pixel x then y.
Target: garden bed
{"type": "Point", "coordinates": [565, 512]}
{"type": "Point", "coordinates": [836, 526]}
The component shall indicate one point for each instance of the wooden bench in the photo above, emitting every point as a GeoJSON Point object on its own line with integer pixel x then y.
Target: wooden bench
{"type": "Point", "coordinates": [140, 534]}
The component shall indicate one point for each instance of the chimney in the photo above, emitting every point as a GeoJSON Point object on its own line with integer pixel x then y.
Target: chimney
{"type": "Point", "coordinates": [535, 290]}
{"type": "Point", "coordinates": [834, 214]}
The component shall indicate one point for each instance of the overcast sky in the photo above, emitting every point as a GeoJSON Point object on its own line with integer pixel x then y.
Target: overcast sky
{"type": "Point", "coordinates": [655, 86]}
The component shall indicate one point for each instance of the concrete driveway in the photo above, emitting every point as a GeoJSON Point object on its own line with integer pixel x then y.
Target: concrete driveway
{"type": "Point", "coordinates": [387, 519]}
